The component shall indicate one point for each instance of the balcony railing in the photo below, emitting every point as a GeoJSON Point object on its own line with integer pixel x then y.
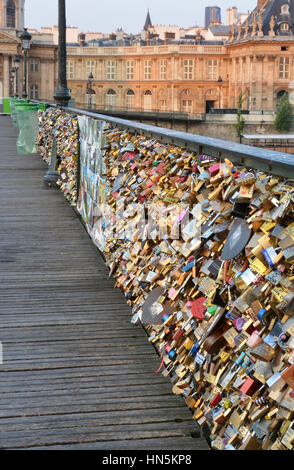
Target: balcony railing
{"type": "Point", "coordinates": [140, 50]}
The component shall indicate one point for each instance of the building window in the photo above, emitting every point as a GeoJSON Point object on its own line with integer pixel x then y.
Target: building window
{"type": "Point", "coordinates": [188, 69]}
{"type": "Point", "coordinates": [70, 69]}
{"type": "Point", "coordinates": [130, 99]}
{"type": "Point", "coordinates": [111, 98]}
{"type": "Point", "coordinates": [90, 68]}
{"type": "Point", "coordinates": [34, 65]}
{"type": "Point", "coordinates": [147, 104]}
{"type": "Point", "coordinates": [281, 94]}
{"type": "Point", "coordinates": [130, 70]}
{"type": "Point", "coordinates": [284, 27]}
{"type": "Point", "coordinates": [187, 106]}
{"type": "Point", "coordinates": [34, 92]}
{"type": "Point", "coordinates": [163, 69]}
{"type": "Point", "coordinates": [163, 105]}
{"type": "Point", "coordinates": [212, 69]}
{"type": "Point", "coordinates": [91, 100]}
{"type": "Point", "coordinates": [147, 70]}
{"type": "Point", "coordinates": [10, 14]}
{"type": "Point", "coordinates": [284, 66]}
{"type": "Point", "coordinates": [110, 70]}
{"type": "Point", "coordinates": [186, 102]}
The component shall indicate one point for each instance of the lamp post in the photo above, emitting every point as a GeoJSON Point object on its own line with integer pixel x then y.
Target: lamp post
{"type": "Point", "coordinates": [90, 92]}
{"type": "Point", "coordinates": [25, 45]}
{"type": "Point", "coordinates": [12, 76]}
{"type": "Point", "coordinates": [62, 95]}
{"type": "Point", "coordinates": [16, 66]}
{"type": "Point", "coordinates": [220, 80]}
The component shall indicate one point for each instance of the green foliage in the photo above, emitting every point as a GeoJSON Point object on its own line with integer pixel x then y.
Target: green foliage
{"type": "Point", "coordinates": [240, 124]}
{"type": "Point", "coordinates": [283, 120]}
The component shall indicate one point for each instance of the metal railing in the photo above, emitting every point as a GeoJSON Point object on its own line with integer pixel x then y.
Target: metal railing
{"type": "Point", "coordinates": [137, 112]}
{"type": "Point", "coordinates": [278, 163]}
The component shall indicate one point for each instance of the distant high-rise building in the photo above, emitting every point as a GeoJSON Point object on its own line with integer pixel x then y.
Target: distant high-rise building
{"type": "Point", "coordinates": [212, 14]}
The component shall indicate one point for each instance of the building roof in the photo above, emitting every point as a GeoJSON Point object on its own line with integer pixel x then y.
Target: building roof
{"type": "Point", "coordinates": [148, 21]}
{"type": "Point", "coordinates": [273, 13]}
{"type": "Point", "coordinates": [220, 30]}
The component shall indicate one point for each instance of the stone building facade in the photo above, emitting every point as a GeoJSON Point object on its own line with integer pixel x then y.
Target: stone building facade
{"type": "Point", "coordinates": [191, 75]}
{"type": "Point", "coordinates": [42, 58]}
{"type": "Point", "coordinates": [257, 59]}
{"type": "Point", "coordinates": [172, 77]}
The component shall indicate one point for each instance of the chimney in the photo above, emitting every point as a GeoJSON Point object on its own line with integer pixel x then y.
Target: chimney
{"type": "Point", "coordinates": [229, 16]}
{"type": "Point", "coordinates": [82, 39]}
{"type": "Point", "coordinates": [198, 37]}
{"type": "Point", "coordinates": [234, 15]}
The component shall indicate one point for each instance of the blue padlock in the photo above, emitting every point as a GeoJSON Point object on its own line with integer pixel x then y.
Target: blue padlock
{"type": "Point", "coordinates": [172, 354]}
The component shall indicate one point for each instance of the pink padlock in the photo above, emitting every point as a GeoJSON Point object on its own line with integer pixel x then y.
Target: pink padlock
{"type": "Point", "coordinates": [254, 340]}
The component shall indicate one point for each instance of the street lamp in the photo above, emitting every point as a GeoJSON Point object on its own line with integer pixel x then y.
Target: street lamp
{"type": "Point", "coordinates": [12, 76]}
{"type": "Point", "coordinates": [25, 45]}
{"type": "Point", "coordinates": [16, 67]}
{"type": "Point", "coordinates": [220, 81]}
{"type": "Point", "coordinates": [89, 91]}
{"type": "Point", "coordinates": [62, 95]}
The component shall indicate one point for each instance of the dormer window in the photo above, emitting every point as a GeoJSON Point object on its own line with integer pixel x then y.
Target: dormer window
{"type": "Point", "coordinates": [284, 27]}
{"type": "Point", "coordinates": [285, 10]}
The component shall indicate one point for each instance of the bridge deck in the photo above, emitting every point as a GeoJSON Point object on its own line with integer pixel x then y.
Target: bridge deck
{"type": "Point", "coordinates": [75, 374]}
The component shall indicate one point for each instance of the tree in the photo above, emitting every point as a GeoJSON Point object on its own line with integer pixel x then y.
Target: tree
{"type": "Point", "coordinates": [283, 120]}
{"type": "Point", "coordinates": [240, 124]}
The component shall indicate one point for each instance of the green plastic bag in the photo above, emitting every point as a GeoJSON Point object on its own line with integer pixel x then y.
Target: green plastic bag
{"type": "Point", "coordinates": [19, 108]}
{"type": "Point", "coordinates": [13, 103]}
{"type": "Point", "coordinates": [28, 123]}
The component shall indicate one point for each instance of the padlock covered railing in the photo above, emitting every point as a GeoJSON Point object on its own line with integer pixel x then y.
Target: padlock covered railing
{"type": "Point", "coordinates": [199, 235]}
{"type": "Point", "coordinates": [278, 163]}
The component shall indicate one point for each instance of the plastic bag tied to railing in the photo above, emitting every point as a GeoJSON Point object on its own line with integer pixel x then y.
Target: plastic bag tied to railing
{"type": "Point", "coordinates": [25, 117]}
{"type": "Point", "coordinates": [27, 122]}
{"type": "Point", "coordinates": [203, 251]}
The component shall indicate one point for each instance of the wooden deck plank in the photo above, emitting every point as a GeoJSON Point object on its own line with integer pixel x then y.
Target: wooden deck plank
{"type": "Point", "coordinates": [182, 444]}
{"type": "Point", "coordinates": [76, 373]}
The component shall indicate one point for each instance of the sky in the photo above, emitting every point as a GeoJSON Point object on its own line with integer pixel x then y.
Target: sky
{"type": "Point", "coordinates": [106, 16]}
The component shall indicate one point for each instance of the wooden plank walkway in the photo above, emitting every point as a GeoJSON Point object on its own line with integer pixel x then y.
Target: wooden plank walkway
{"type": "Point", "coordinates": [76, 374]}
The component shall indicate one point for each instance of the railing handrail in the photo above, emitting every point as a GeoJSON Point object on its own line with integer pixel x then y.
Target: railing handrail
{"type": "Point", "coordinates": [278, 163]}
